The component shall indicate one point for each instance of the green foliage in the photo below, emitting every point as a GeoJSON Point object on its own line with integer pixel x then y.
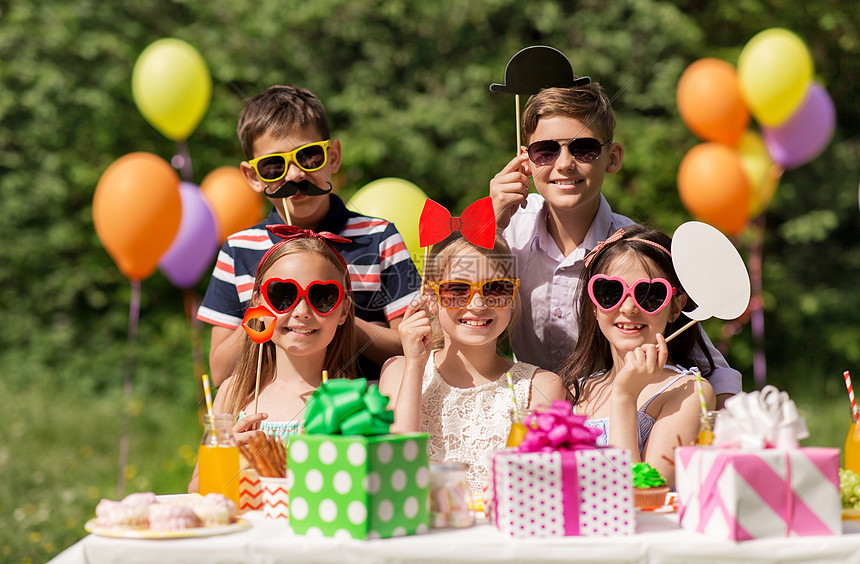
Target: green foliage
{"type": "Point", "coordinates": [406, 86]}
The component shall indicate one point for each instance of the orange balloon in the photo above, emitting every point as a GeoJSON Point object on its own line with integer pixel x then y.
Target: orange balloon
{"type": "Point", "coordinates": [234, 204]}
{"type": "Point", "coordinates": [136, 211]}
{"type": "Point", "coordinates": [710, 101]}
{"type": "Point", "coordinates": [714, 187]}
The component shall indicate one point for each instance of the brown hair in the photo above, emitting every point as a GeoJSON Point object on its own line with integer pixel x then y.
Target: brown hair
{"type": "Point", "coordinates": [439, 265]}
{"type": "Point", "coordinates": [340, 356]}
{"type": "Point", "coordinates": [280, 109]}
{"type": "Point", "coordinates": [592, 355]}
{"type": "Point", "coordinates": [588, 103]}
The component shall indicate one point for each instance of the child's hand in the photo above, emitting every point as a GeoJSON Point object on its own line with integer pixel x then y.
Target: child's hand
{"type": "Point", "coordinates": [642, 365]}
{"type": "Point", "coordinates": [246, 427]}
{"type": "Point", "coordinates": [415, 331]}
{"type": "Point", "coordinates": [509, 189]}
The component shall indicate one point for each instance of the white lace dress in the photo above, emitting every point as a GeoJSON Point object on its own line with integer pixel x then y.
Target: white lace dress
{"type": "Point", "coordinates": [466, 423]}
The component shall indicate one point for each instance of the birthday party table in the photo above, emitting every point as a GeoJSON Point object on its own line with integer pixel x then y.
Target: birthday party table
{"type": "Point", "coordinates": [657, 539]}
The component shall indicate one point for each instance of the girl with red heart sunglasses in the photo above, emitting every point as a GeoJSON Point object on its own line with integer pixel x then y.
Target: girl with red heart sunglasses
{"type": "Point", "coordinates": [302, 323]}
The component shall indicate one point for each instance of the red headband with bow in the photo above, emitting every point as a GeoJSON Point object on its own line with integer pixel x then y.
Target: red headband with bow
{"type": "Point", "coordinates": [290, 232]}
{"type": "Point", "coordinates": [477, 224]}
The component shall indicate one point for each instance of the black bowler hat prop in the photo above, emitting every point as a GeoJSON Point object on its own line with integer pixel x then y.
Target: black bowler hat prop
{"type": "Point", "coordinates": [535, 68]}
{"type": "Point", "coordinates": [531, 70]}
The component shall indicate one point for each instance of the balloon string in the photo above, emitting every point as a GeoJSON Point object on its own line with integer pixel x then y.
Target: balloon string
{"type": "Point", "coordinates": [182, 161]}
{"type": "Point", "coordinates": [133, 322]}
{"type": "Point", "coordinates": [681, 330]}
{"type": "Point", "coordinates": [190, 299]}
{"type": "Point", "coordinates": [755, 304]}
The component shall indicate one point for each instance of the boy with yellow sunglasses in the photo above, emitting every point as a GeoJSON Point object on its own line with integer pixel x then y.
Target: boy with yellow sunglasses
{"type": "Point", "coordinates": [291, 159]}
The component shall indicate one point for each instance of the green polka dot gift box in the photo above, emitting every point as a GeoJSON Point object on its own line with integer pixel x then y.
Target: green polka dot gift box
{"type": "Point", "coordinates": [358, 487]}
{"type": "Point", "coordinates": [347, 476]}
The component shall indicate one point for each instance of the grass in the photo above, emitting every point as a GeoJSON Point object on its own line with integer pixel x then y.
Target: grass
{"type": "Point", "coordinates": [59, 456]}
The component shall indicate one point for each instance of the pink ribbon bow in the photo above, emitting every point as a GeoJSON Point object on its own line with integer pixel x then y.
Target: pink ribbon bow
{"type": "Point", "coordinates": [557, 429]}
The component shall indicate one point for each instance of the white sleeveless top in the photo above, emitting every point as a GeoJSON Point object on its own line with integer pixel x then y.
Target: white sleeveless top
{"type": "Point", "coordinates": [465, 424]}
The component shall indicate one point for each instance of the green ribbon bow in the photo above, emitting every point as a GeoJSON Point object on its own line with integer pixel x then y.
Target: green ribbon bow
{"type": "Point", "coordinates": [348, 407]}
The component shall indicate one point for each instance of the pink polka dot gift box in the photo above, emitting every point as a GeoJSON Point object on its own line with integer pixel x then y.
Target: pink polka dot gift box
{"type": "Point", "coordinates": [557, 484]}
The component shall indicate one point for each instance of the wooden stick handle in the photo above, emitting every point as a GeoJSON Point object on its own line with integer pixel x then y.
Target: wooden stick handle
{"type": "Point", "coordinates": [519, 132]}
{"type": "Point", "coordinates": [681, 330]}
{"type": "Point", "coordinates": [259, 366]}
{"type": "Point", "coordinates": [287, 211]}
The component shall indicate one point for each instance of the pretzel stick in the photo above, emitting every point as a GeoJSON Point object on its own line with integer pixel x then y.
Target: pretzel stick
{"type": "Point", "coordinates": [267, 456]}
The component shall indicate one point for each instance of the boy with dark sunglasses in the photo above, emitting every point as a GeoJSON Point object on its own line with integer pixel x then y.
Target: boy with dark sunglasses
{"type": "Point", "coordinates": [291, 158]}
{"type": "Point", "coordinates": [569, 150]}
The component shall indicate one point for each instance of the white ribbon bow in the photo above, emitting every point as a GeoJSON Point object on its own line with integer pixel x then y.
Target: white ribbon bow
{"type": "Point", "coordinates": [765, 419]}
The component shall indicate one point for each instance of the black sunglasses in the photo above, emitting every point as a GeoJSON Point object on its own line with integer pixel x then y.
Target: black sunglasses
{"type": "Point", "coordinates": [583, 149]}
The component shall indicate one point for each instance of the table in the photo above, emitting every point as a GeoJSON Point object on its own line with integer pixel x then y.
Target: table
{"type": "Point", "coordinates": [658, 539]}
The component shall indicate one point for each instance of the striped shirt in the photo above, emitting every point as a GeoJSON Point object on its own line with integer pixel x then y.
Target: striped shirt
{"type": "Point", "coordinates": [383, 277]}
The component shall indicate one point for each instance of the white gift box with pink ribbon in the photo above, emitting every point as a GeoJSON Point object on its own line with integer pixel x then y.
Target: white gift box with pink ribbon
{"type": "Point", "coordinates": [584, 492]}
{"type": "Point", "coordinates": [557, 484]}
{"type": "Point", "coordinates": [755, 482]}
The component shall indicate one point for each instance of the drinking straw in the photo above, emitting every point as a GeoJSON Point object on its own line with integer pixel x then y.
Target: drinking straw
{"type": "Point", "coordinates": [208, 393]}
{"type": "Point", "coordinates": [854, 414]}
{"type": "Point", "coordinates": [702, 402]}
{"type": "Point", "coordinates": [513, 396]}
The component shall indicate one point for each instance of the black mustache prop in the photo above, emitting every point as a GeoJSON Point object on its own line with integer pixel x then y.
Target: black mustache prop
{"type": "Point", "coordinates": [305, 187]}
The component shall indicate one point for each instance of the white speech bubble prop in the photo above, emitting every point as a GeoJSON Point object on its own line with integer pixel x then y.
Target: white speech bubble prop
{"type": "Point", "coordinates": [712, 272]}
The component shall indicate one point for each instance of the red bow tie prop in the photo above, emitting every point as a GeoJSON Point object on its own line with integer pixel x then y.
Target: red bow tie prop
{"type": "Point", "coordinates": [477, 224]}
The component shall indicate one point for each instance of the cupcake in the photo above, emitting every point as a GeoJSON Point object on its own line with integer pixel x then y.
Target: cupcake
{"type": "Point", "coordinates": [649, 487]}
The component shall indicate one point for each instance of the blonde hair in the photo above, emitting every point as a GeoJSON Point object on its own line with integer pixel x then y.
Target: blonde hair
{"type": "Point", "coordinates": [340, 354]}
{"type": "Point", "coordinates": [441, 259]}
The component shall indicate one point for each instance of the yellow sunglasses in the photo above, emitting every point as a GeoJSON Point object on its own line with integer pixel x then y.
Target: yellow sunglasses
{"type": "Point", "coordinates": [309, 158]}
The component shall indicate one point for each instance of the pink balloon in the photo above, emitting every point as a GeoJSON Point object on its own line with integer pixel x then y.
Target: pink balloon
{"type": "Point", "coordinates": [804, 135]}
{"type": "Point", "coordinates": [192, 250]}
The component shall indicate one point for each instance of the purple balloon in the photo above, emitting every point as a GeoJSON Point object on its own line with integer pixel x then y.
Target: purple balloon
{"type": "Point", "coordinates": [191, 253]}
{"type": "Point", "coordinates": [805, 134]}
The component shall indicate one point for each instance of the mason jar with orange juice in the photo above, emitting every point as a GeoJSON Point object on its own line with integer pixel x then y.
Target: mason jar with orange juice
{"type": "Point", "coordinates": [219, 457]}
{"type": "Point", "coordinates": [852, 448]}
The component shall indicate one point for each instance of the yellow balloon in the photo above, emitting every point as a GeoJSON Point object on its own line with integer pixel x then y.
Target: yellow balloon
{"type": "Point", "coordinates": [774, 70]}
{"type": "Point", "coordinates": [398, 201]}
{"type": "Point", "coordinates": [172, 87]}
{"type": "Point", "coordinates": [761, 172]}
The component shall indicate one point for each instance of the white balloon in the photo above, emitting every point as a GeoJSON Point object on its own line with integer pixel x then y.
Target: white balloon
{"type": "Point", "coordinates": [711, 270]}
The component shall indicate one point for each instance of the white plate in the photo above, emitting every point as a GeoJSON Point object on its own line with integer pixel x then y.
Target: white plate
{"type": "Point", "coordinates": [123, 533]}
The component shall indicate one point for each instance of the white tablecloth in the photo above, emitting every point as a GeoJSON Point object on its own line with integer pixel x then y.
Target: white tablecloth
{"type": "Point", "coordinates": [658, 539]}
